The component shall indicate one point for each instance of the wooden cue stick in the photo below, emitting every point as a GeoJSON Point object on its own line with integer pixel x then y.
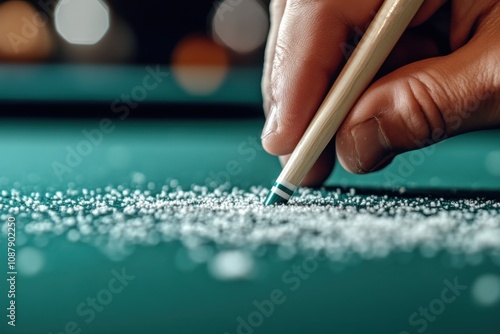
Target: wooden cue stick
{"type": "Point", "coordinates": [382, 35]}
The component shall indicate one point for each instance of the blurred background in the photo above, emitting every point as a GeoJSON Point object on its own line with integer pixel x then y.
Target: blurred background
{"type": "Point", "coordinates": [179, 82]}
{"type": "Point", "coordinates": [141, 95]}
{"type": "Point", "coordinates": [95, 51]}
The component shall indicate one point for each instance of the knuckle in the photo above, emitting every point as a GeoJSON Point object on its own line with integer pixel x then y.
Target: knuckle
{"type": "Point", "coordinates": [421, 113]}
{"type": "Point", "coordinates": [281, 60]}
{"type": "Point", "coordinates": [281, 53]}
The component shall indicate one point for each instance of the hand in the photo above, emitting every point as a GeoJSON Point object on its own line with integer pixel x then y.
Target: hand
{"type": "Point", "coordinates": [428, 93]}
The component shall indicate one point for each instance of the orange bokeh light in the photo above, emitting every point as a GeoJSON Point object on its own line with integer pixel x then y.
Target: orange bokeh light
{"type": "Point", "coordinates": [199, 51]}
{"type": "Point", "coordinates": [200, 65]}
{"type": "Point", "coordinates": [24, 34]}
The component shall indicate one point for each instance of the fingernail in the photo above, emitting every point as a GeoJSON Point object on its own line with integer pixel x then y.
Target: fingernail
{"type": "Point", "coordinates": [371, 145]}
{"type": "Point", "coordinates": [271, 123]}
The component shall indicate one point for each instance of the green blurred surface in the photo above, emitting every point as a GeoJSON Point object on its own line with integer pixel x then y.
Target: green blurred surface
{"type": "Point", "coordinates": [106, 83]}
{"type": "Point", "coordinates": [376, 296]}
{"type": "Point", "coordinates": [362, 297]}
{"type": "Point", "coordinates": [190, 150]}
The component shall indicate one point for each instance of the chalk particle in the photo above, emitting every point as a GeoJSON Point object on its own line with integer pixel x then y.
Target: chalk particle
{"type": "Point", "coordinates": [335, 222]}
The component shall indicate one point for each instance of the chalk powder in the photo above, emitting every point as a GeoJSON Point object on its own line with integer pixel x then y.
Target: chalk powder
{"type": "Point", "coordinates": [334, 222]}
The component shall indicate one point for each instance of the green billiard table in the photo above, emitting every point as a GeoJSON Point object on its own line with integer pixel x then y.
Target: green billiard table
{"type": "Point", "coordinates": [66, 283]}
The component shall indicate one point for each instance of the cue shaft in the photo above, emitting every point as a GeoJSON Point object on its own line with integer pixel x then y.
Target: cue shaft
{"type": "Point", "coordinates": [382, 35]}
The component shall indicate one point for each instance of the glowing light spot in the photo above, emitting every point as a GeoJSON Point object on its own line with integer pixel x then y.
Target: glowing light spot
{"type": "Point", "coordinates": [492, 163]}
{"type": "Point", "coordinates": [30, 261]}
{"type": "Point", "coordinates": [138, 178]}
{"type": "Point", "coordinates": [24, 35]}
{"type": "Point", "coordinates": [82, 22]}
{"type": "Point", "coordinates": [200, 65]}
{"type": "Point", "coordinates": [435, 181]}
{"type": "Point", "coordinates": [118, 45]}
{"type": "Point", "coordinates": [73, 235]}
{"type": "Point", "coordinates": [486, 290]}
{"type": "Point", "coordinates": [241, 25]}
{"type": "Point", "coordinates": [232, 265]}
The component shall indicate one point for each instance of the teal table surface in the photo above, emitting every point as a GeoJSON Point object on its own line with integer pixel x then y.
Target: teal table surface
{"type": "Point", "coordinates": [152, 289]}
{"type": "Point", "coordinates": [35, 152]}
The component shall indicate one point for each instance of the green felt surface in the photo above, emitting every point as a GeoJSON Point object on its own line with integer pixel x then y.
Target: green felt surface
{"type": "Point", "coordinates": [190, 151]}
{"type": "Point", "coordinates": [362, 297]}
{"type": "Point", "coordinates": [376, 296]}
{"type": "Point", "coordinates": [107, 83]}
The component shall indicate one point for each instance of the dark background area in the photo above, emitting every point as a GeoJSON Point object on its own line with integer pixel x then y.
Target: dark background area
{"type": "Point", "coordinates": [57, 78]}
{"type": "Point", "coordinates": [157, 27]}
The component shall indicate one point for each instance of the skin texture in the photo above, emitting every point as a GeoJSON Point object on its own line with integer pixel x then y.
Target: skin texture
{"type": "Point", "coordinates": [441, 80]}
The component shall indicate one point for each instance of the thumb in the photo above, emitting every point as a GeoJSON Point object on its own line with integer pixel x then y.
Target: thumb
{"type": "Point", "coordinates": [421, 104]}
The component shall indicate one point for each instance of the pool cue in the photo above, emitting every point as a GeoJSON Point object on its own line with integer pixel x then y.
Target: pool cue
{"type": "Point", "coordinates": [382, 35]}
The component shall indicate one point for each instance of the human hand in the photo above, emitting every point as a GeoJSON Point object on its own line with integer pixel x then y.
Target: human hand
{"type": "Point", "coordinates": [427, 95]}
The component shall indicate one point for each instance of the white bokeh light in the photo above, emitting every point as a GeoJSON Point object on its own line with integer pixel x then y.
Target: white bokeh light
{"type": "Point", "coordinates": [83, 22]}
{"type": "Point", "coordinates": [492, 163]}
{"type": "Point", "coordinates": [241, 25]}
{"type": "Point", "coordinates": [486, 290]}
{"type": "Point", "coordinates": [30, 261]}
{"type": "Point", "coordinates": [232, 265]}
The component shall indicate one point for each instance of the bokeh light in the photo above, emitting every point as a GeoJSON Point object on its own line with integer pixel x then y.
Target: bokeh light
{"type": "Point", "coordinates": [232, 265]}
{"type": "Point", "coordinates": [241, 25]}
{"type": "Point", "coordinates": [117, 46]}
{"type": "Point", "coordinates": [30, 261]}
{"type": "Point", "coordinates": [24, 34]}
{"type": "Point", "coordinates": [200, 65]}
{"type": "Point", "coordinates": [82, 21]}
{"type": "Point", "coordinates": [492, 163]}
{"type": "Point", "coordinates": [486, 290]}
